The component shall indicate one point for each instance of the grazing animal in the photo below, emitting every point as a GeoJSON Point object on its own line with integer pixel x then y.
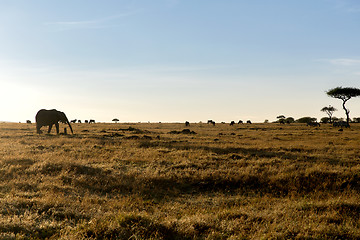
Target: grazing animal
{"type": "Point", "coordinates": [240, 121]}
{"type": "Point", "coordinates": [86, 121]}
{"type": "Point", "coordinates": [341, 124]}
{"type": "Point", "coordinates": [187, 124]}
{"type": "Point", "coordinates": [50, 118]}
{"type": "Point", "coordinates": [28, 121]}
{"type": "Point", "coordinates": [91, 121]}
{"type": "Point", "coordinates": [248, 121]}
{"type": "Point", "coordinates": [73, 121]}
{"type": "Point", "coordinates": [232, 123]}
{"type": "Point", "coordinates": [313, 124]}
{"type": "Point", "coordinates": [211, 122]}
{"type": "Point", "coordinates": [79, 121]}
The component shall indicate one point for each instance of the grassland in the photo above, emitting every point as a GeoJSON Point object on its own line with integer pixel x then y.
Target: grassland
{"type": "Point", "coordinates": [156, 181]}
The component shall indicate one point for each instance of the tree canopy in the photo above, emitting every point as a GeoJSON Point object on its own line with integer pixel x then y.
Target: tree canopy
{"type": "Point", "coordinates": [343, 93]}
{"type": "Point", "coordinates": [328, 109]}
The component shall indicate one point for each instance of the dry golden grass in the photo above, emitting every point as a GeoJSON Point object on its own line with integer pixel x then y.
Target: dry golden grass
{"type": "Point", "coordinates": [139, 181]}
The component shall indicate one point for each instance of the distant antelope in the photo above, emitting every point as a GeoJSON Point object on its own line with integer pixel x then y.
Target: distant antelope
{"type": "Point", "coordinates": [187, 124]}
{"type": "Point", "coordinates": [28, 121]}
{"type": "Point", "coordinates": [73, 121]}
{"type": "Point", "coordinates": [248, 121]}
{"type": "Point", "coordinates": [86, 121]}
{"type": "Point", "coordinates": [232, 123]}
{"type": "Point", "coordinates": [92, 121]}
{"type": "Point", "coordinates": [240, 121]}
{"type": "Point", "coordinates": [79, 121]}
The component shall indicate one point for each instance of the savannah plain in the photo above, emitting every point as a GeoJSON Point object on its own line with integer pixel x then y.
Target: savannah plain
{"type": "Point", "coordinates": [159, 181]}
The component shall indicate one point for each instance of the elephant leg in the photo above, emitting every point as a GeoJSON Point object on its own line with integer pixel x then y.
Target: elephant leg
{"type": "Point", "coordinates": [38, 129]}
{"type": "Point", "coordinates": [57, 127]}
{"type": "Point", "coordinates": [50, 126]}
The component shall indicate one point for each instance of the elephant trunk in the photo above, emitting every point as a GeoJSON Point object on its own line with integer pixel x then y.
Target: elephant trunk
{"type": "Point", "coordinates": [67, 121]}
{"type": "Point", "coordinates": [70, 127]}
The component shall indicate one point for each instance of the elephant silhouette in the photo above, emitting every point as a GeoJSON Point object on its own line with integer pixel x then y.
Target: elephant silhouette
{"type": "Point", "coordinates": [49, 118]}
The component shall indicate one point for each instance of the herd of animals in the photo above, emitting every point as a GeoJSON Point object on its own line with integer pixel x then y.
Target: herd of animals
{"type": "Point", "coordinates": [79, 121]}
{"type": "Point", "coordinates": [53, 117]}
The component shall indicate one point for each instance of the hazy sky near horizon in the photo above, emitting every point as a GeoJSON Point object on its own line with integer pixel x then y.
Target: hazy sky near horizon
{"type": "Point", "coordinates": [177, 60]}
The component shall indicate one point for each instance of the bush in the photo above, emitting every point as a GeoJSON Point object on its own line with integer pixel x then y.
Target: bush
{"type": "Point", "coordinates": [325, 120]}
{"type": "Point", "coordinates": [290, 120]}
{"type": "Point", "coordinates": [356, 120]}
{"type": "Point", "coordinates": [306, 120]}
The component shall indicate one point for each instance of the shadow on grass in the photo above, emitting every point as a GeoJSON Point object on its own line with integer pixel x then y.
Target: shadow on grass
{"type": "Point", "coordinates": [87, 178]}
{"type": "Point", "coordinates": [286, 154]}
{"type": "Point", "coordinates": [98, 181]}
{"type": "Point", "coordinates": [28, 232]}
{"type": "Point", "coordinates": [127, 227]}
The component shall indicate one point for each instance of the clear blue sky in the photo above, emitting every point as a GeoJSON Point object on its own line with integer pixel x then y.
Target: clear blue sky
{"type": "Point", "coordinates": [177, 60]}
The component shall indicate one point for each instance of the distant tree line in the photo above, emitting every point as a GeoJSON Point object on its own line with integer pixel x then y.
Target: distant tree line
{"type": "Point", "coordinates": [313, 119]}
{"type": "Point", "coordinates": [342, 93]}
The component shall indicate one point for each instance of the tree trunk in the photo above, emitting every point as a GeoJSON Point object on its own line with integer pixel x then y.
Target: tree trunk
{"type": "Point", "coordinates": [330, 115]}
{"type": "Point", "coordinates": [347, 112]}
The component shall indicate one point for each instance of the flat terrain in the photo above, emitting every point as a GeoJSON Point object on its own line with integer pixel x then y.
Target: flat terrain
{"type": "Point", "coordinates": [160, 181]}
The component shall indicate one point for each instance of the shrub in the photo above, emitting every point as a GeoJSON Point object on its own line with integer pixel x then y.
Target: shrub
{"type": "Point", "coordinates": [306, 120]}
{"type": "Point", "coordinates": [325, 120]}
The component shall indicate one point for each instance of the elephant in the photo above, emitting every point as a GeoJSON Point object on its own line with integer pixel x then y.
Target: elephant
{"type": "Point", "coordinates": [48, 118]}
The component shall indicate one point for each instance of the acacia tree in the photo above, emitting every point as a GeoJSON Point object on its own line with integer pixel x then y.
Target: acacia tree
{"type": "Point", "coordinates": [344, 94]}
{"type": "Point", "coordinates": [329, 111]}
{"type": "Point", "coordinates": [281, 119]}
